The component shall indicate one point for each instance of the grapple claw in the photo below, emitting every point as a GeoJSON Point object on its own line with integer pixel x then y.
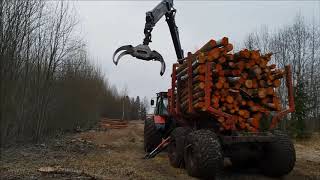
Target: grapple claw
{"type": "Point", "coordinates": [140, 52]}
{"type": "Point", "coordinates": [121, 55]}
{"type": "Point", "coordinates": [126, 48]}
{"type": "Point", "coordinates": [157, 57]}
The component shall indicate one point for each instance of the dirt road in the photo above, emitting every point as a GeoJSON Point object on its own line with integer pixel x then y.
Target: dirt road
{"type": "Point", "coordinates": [117, 154]}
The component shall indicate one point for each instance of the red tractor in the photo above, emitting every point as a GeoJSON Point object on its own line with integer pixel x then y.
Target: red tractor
{"type": "Point", "coordinates": [194, 138]}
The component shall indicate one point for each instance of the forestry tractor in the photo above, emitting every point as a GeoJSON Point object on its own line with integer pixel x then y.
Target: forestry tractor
{"type": "Point", "coordinates": [220, 105]}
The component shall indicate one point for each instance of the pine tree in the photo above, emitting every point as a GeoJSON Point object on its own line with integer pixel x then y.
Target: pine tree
{"type": "Point", "coordinates": [300, 115]}
{"type": "Point", "coordinates": [143, 112]}
{"type": "Point", "coordinates": [137, 108]}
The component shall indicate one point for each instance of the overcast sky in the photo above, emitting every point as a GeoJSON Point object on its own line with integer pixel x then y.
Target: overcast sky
{"type": "Point", "coordinates": [106, 25]}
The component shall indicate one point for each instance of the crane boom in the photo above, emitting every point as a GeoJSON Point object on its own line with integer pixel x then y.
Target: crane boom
{"type": "Point", "coordinates": [143, 51]}
{"type": "Point", "coordinates": [165, 7]}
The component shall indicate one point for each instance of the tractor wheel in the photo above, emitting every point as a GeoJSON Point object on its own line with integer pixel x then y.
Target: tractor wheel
{"type": "Point", "coordinates": [203, 154]}
{"type": "Point", "coordinates": [279, 156]}
{"type": "Point", "coordinates": [152, 137]}
{"type": "Point", "coordinates": [176, 146]}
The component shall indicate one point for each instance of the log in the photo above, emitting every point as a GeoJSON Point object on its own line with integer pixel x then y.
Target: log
{"type": "Point", "coordinates": [254, 122]}
{"type": "Point", "coordinates": [202, 58]}
{"type": "Point", "coordinates": [250, 64]}
{"type": "Point", "coordinates": [254, 84]}
{"type": "Point", "coordinates": [196, 89]}
{"type": "Point", "coordinates": [218, 67]}
{"type": "Point", "coordinates": [243, 54]}
{"type": "Point", "coordinates": [229, 57]}
{"type": "Point", "coordinates": [194, 96]}
{"type": "Point", "coordinates": [185, 76]}
{"type": "Point", "coordinates": [240, 65]}
{"type": "Point", "coordinates": [276, 83]}
{"type": "Point", "coordinates": [272, 66]}
{"type": "Point", "coordinates": [215, 100]}
{"type": "Point", "coordinates": [229, 99]}
{"type": "Point", "coordinates": [270, 91]}
{"type": "Point", "coordinates": [208, 46]}
{"type": "Point", "coordinates": [184, 69]}
{"type": "Point", "coordinates": [222, 60]}
{"type": "Point", "coordinates": [213, 54]}
{"type": "Point", "coordinates": [199, 105]}
{"type": "Point", "coordinates": [255, 55]}
{"type": "Point", "coordinates": [263, 63]}
{"type": "Point", "coordinates": [260, 93]}
{"type": "Point", "coordinates": [244, 113]}
{"type": "Point", "coordinates": [184, 104]}
{"type": "Point", "coordinates": [267, 57]}
{"type": "Point", "coordinates": [213, 44]}
{"type": "Point", "coordinates": [248, 83]}
{"type": "Point", "coordinates": [254, 108]}
{"type": "Point", "coordinates": [255, 72]}
{"type": "Point", "coordinates": [262, 83]}
{"type": "Point", "coordinates": [228, 73]}
{"type": "Point", "coordinates": [278, 74]}
{"type": "Point", "coordinates": [228, 105]}
{"type": "Point", "coordinates": [196, 78]}
{"type": "Point", "coordinates": [226, 85]}
{"type": "Point", "coordinates": [219, 85]}
{"type": "Point", "coordinates": [229, 47]}
{"type": "Point", "coordinates": [223, 42]}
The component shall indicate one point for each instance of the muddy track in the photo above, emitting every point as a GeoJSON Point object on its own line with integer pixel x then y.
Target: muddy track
{"type": "Point", "coordinates": [117, 154]}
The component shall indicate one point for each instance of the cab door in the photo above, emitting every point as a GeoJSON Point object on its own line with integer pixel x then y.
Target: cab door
{"type": "Point", "coordinates": [161, 112]}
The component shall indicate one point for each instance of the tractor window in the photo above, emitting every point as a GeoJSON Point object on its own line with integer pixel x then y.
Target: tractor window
{"type": "Point", "coordinates": [162, 106]}
{"type": "Point", "coordinates": [165, 102]}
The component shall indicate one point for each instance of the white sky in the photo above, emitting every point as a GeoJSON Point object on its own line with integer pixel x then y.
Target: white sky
{"type": "Point", "coordinates": [106, 25]}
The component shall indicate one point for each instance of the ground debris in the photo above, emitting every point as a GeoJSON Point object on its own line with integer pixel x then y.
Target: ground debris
{"type": "Point", "coordinates": [117, 154]}
{"type": "Point", "coordinates": [69, 171]}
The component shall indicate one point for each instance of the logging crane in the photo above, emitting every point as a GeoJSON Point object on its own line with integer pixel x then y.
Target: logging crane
{"type": "Point", "coordinates": [143, 51]}
{"type": "Point", "coordinates": [220, 105]}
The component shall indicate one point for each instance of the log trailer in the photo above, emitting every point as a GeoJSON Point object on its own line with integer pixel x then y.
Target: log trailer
{"type": "Point", "coordinates": [199, 120]}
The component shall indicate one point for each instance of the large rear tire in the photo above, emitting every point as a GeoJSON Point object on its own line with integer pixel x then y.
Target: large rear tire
{"type": "Point", "coordinates": [279, 156]}
{"type": "Point", "coordinates": [176, 146]}
{"type": "Point", "coordinates": [152, 137]}
{"type": "Point", "coordinates": [203, 154]}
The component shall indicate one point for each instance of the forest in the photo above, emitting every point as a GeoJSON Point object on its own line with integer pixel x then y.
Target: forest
{"type": "Point", "coordinates": [48, 82]}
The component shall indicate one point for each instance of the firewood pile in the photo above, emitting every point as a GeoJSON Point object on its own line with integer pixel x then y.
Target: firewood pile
{"type": "Point", "coordinates": [106, 123]}
{"type": "Point", "coordinates": [240, 84]}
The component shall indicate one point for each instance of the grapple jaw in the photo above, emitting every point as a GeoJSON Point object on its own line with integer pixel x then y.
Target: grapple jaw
{"type": "Point", "coordinates": [142, 52]}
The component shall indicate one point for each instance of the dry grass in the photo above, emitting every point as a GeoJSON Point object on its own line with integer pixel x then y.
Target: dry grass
{"type": "Point", "coordinates": [117, 154]}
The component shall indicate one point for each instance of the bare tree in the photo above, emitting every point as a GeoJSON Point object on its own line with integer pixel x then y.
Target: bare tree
{"type": "Point", "coordinates": [47, 81]}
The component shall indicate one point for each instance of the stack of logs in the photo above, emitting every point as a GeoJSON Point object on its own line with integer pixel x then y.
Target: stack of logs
{"type": "Point", "coordinates": [241, 84]}
{"type": "Point", "coordinates": [106, 123]}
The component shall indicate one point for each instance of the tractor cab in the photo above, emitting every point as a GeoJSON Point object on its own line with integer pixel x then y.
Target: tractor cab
{"type": "Point", "coordinates": [161, 104]}
{"type": "Point", "coordinates": [160, 111]}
